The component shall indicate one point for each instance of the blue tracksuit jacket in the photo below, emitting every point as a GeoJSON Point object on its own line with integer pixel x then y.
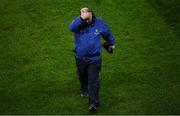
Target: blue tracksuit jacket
{"type": "Point", "coordinates": [88, 38]}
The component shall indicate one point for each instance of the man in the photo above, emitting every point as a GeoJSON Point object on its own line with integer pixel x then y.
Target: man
{"type": "Point", "coordinates": [88, 31]}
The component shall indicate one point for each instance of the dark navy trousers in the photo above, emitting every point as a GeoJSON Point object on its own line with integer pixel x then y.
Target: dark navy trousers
{"type": "Point", "coordinates": [88, 73]}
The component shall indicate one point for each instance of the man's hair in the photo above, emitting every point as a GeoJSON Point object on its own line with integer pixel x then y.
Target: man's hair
{"type": "Point", "coordinates": [87, 9]}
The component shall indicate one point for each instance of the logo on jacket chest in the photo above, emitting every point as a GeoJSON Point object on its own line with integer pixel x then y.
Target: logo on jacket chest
{"type": "Point", "coordinates": [90, 32]}
{"type": "Point", "coordinates": [96, 32]}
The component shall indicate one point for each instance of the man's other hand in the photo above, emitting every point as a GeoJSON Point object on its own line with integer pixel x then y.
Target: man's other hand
{"type": "Point", "coordinates": [111, 47]}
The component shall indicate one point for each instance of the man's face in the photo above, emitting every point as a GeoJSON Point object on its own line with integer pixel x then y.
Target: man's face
{"type": "Point", "coordinates": [85, 13]}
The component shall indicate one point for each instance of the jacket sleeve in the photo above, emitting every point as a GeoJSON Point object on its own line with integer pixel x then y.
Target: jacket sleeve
{"type": "Point", "coordinates": [76, 23]}
{"type": "Point", "coordinates": [107, 34]}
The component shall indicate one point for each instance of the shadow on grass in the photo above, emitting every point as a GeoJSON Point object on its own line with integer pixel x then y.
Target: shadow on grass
{"type": "Point", "coordinates": [170, 11]}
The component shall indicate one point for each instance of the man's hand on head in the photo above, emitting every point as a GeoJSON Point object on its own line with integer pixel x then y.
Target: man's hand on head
{"type": "Point", "coordinates": [84, 15]}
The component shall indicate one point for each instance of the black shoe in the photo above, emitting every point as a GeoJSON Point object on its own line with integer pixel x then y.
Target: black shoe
{"type": "Point", "coordinates": [92, 108]}
{"type": "Point", "coordinates": [84, 95]}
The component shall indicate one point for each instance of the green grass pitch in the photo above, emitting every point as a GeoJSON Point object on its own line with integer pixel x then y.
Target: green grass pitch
{"type": "Point", "coordinates": [37, 67]}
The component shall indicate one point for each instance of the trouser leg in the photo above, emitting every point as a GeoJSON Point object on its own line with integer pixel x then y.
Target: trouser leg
{"type": "Point", "coordinates": [94, 82]}
{"type": "Point", "coordinates": [82, 74]}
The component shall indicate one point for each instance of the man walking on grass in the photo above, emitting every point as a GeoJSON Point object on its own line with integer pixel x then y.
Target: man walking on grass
{"type": "Point", "coordinates": [88, 30]}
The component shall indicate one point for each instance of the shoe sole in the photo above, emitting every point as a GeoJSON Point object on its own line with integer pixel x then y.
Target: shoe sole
{"type": "Point", "coordinates": [92, 109]}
